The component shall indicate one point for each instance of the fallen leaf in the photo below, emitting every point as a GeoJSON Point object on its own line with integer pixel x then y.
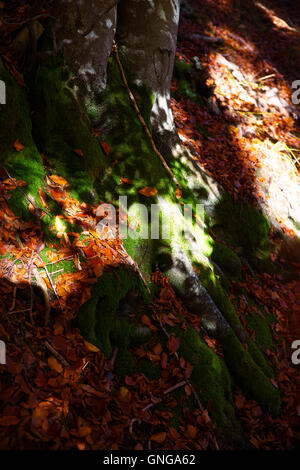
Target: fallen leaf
{"type": "Point", "coordinates": [148, 191]}
{"type": "Point", "coordinates": [78, 152]}
{"type": "Point", "coordinates": [159, 437]}
{"type": "Point", "coordinates": [18, 146]}
{"type": "Point", "coordinates": [58, 180]}
{"type": "Point", "coordinates": [125, 180]}
{"type": "Point", "coordinates": [192, 431]}
{"type": "Point", "coordinates": [105, 148]}
{"type": "Point", "coordinates": [173, 343]}
{"type": "Point", "coordinates": [55, 365]}
{"type": "Point", "coordinates": [178, 193]}
{"type": "Point", "coordinates": [91, 347]}
{"type": "Point", "coordinates": [8, 421]}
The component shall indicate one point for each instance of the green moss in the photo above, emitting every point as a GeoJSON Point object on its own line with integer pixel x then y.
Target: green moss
{"type": "Point", "coordinates": [249, 375]}
{"type": "Point", "coordinates": [26, 165]}
{"type": "Point", "coordinates": [212, 382]}
{"type": "Point", "coordinates": [241, 225]}
{"type": "Point", "coordinates": [228, 260]}
{"type": "Point", "coordinates": [260, 322]}
{"type": "Point", "coordinates": [61, 126]}
{"type": "Point", "coordinates": [183, 75]}
{"type": "Point", "coordinates": [124, 364]}
{"type": "Point", "coordinates": [96, 318]}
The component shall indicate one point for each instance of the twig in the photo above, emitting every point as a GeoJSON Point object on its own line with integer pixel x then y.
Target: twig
{"type": "Point", "coordinates": [29, 280]}
{"type": "Point", "coordinates": [59, 260]}
{"type": "Point", "coordinates": [57, 354]}
{"type": "Point", "coordinates": [14, 299]}
{"type": "Point", "coordinates": [141, 119]}
{"type": "Point", "coordinates": [51, 283]}
{"type": "Point", "coordinates": [19, 311]}
{"type": "Point", "coordinates": [169, 390]}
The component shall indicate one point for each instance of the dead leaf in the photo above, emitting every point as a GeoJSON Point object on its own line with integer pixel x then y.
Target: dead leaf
{"type": "Point", "coordinates": [55, 365]}
{"type": "Point", "coordinates": [159, 437]}
{"type": "Point", "coordinates": [105, 148]}
{"type": "Point", "coordinates": [148, 191]}
{"type": "Point", "coordinates": [18, 146]}
{"type": "Point", "coordinates": [79, 152]}
{"type": "Point", "coordinates": [58, 180]}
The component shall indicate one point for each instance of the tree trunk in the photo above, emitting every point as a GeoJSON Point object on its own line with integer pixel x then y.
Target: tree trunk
{"type": "Point", "coordinates": [83, 74]}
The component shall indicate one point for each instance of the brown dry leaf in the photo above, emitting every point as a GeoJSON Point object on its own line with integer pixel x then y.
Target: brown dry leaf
{"type": "Point", "coordinates": [159, 437]}
{"type": "Point", "coordinates": [146, 320]}
{"type": "Point", "coordinates": [8, 421]}
{"type": "Point", "coordinates": [42, 197]}
{"type": "Point", "coordinates": [58, 180]}
{"type": "Point", "coordinates": [178, 193]}
{"type": "Point", "coordinates": [55, 365]}
{"type": "Point", "coordinates": [125, 180]}
{"type": "Point", "coordinates": [18, 146]}
{"type": "Point", "coordinates": [98, 269]}
{"type": "Point", "coordinates": [157, 349]}
{"type": "Point", "coordinates": [79, 152]}
{"type": "Point", "coordinates": [192, 431]}
{"type": "Point", "coordinates": [91, 347]}
{"type": "Point", "coordinates": [105, 148]}
{"type": "Point", "coordinates": [124, 395]}
{"type": "Point", "coordinates": [148, 191]}
{"type": "Point", "coordinates": [173, 343]}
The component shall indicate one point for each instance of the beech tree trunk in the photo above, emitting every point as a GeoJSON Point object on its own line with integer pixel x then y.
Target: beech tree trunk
{"type": "Point", "coordinates": [83, 72]}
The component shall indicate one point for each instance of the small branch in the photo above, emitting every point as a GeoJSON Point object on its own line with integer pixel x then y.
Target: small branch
{"type": "Point", "coordinates": [59, 260]}
{"type": "Point", "coordinates": [57, 354]}
{"type": "Point", "coordinates": [52, 285]}
{"type": "Point", "coordinates": [169, 390]}
{"type": "Point", "coordinates": [14, 300]}
{"type": "Point", "coordinates": [141, 119]}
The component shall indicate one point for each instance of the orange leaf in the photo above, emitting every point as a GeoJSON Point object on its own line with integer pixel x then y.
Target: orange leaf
{"type": "Point", "coordinates": [157, 349]}
{"type": "Point", "coordinates": [146, 320]}
{"type": "Point", "coordinates": [159, 437]}
{"type": "Point", "coordinates": [18, 146]}
{"type": "Point", "coordinates": [125, 180]}
{"type": "Point", "coordinates": [79, 152]}
{"type": "Point", "coordinates": [59, 180]}
{"type": "Point", "coordinates": [91, 347]}
{"type": "Point", "coordinates": [105, 148]}
{"type": "Point", "coordinates": [55, 365]}
{"type": "Point", "coordinates": [8, 420]}
{"type": "Point", "coordinates": [173, 343]}
{"type": "Point", "coordinates": [124, 395]}
{"type": "Point", "coordinates": [192, 431]}
{"type": "Point", "coordinates": [178, 193]}
{"type": "Point", "coordinates": [148, 191]}
{"type": "Point", "coordinates": [98, 269]}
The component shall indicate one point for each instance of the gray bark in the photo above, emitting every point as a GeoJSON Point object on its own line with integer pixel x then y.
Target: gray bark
{"type": "Point", "coordinates": [147, 36]}
{"type": "Point", "coordinates": [86, 38]}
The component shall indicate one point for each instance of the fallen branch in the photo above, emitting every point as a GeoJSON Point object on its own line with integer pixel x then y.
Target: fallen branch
{"type": "Point", "coordinates": [57, 354]}
{"type": "Point", "coordinates": [169, 390]}
{"type": "Point", "coordinates": [141, 119]}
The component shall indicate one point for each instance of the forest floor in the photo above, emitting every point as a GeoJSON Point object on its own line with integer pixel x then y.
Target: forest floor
{"type": "Point", "coordinates": [59, 392]}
